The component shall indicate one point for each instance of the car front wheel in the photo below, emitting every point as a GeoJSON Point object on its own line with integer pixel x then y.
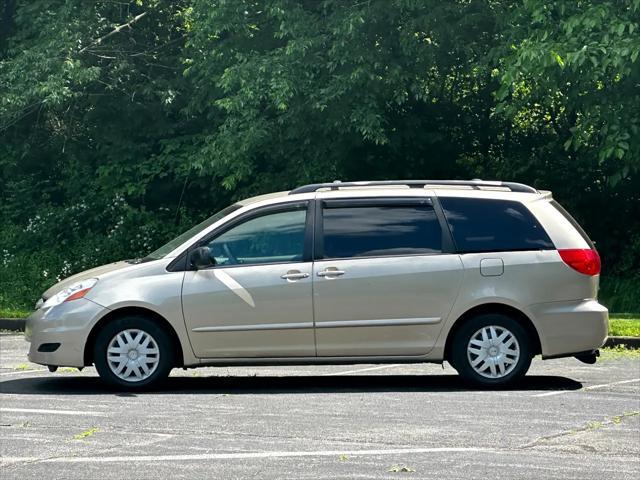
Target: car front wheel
{"type": "Point", "coordinates": [133, 353]}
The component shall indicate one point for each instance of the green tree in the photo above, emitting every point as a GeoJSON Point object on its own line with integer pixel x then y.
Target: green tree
{"type": "Point", "coordinates": [122, 123]}
{"type": "Point", "coordinates": [337, 89]}
{"type": "Point", "coordinates": [562, 61]}
{"type": "Point", "coordinates": [570, 86]}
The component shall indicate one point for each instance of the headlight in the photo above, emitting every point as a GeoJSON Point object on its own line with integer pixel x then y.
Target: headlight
{"type": "Point", "coordinates": [73, 292]}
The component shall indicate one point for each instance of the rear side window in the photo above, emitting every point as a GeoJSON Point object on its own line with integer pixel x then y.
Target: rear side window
{"type": "Point", "coordinates": [371, 231]}
{"type": "Point", "coordinates": [573, 222]}
{"type": "Point", "coordinates": [482, 225]}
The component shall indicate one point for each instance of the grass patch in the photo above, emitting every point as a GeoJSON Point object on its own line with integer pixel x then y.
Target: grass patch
{"type": "Point", "coordinates": [618, 418]}
{"type": "Point", "coordinates": [14, 313]}
{"type": "Point", "coordinates": [619, 351]}
{"type": "Point", "coordinates": [23, 366]}
{"type": "Point", "coordinates": [624, 326]}
{"type": "Point", "coordinates": [619, 294]}
{"type": "Point", "coordinates": [86, 433]}
{"type": "Point", "coordinates": [67, 370]}
{"type": "Point", "coordinates": [615, 420]}
{"type": "Point", "coordinates": [594, 425]}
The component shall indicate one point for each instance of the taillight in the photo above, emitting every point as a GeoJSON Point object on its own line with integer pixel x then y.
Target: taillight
{"type": "Point", "coordinates": [584, 260]}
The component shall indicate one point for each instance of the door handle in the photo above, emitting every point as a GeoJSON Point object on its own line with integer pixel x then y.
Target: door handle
{"type": "Point", "coordinates": [294, 276]}
{"type": "Point", "coordinates": [331, 273]}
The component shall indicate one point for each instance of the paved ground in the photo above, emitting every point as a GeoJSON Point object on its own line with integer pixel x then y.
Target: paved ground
{"type": "Point", "coordinates": [566, 420]}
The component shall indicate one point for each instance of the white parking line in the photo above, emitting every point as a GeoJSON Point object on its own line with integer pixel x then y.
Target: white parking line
{"type": "Point", "coordinates": [53, 412]}
{"type": "Point", "coordinates": [359, 370]}
{"type": "Point", "coordinates": [247, 455]}
{"type": "Point", "coordinates": [20, 372]}
{"type": "Point", "coordinates": [592, 387]}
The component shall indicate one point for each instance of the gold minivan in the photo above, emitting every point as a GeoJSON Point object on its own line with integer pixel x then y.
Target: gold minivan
{"type": "Point", "coordinates": [482, 274]}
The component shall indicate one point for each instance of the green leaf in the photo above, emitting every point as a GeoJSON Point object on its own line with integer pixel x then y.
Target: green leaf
{"type": "Point", "coordinates": [558, 59]}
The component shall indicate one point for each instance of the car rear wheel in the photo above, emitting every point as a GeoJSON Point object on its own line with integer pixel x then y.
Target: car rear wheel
{"type": "Point", "coordinates": [491, 350]}
{"type": "Point", "coordinates": [133, 353]}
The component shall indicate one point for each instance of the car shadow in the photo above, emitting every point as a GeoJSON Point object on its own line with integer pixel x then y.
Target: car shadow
{"type": "Point", "coordinates": [239, 385]}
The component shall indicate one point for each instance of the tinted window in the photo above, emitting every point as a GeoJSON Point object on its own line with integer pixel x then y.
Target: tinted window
{"type": "Point", "coordinates": [271, 238]}
{"type": "Point", "coordinates": [480, 225]}
{"type": "Point", "coordinates": [380, 230]}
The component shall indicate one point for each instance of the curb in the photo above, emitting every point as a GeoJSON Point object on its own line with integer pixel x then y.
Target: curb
{"type": "Point", "coordinates": [17, 325]}
{"type": "Point", "coordinates": [629, 342]}
{"type": "Point", "coordinates": [13, 324]}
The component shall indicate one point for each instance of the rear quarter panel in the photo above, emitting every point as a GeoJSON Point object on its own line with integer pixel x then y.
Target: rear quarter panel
{"type": "Point", "coordinates": [529, 278]}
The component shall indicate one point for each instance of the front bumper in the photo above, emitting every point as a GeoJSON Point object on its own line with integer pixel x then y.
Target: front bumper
{"type": "Point", "coordinates": [68, 325]}
{"type": "Point", "coordinates": [567, 328]}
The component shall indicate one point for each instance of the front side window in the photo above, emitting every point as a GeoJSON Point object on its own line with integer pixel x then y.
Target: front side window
{"type": "Point", "coordinates": [488, 225]}
{"type": "Point", "coordinates": [193, 231]}
{"type": "Point", "coordinates": [270, 238]}
{"type": "Point", "coordinates": [370, 231]}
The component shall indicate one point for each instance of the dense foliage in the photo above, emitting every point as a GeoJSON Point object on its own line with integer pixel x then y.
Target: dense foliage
{"type": "Point", "coordinates": [122, 123]}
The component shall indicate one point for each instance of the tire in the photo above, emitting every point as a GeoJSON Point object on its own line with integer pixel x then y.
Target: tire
{"type": "Point", "coordinates": [491, 350]}
{"type": "Point", "coordinates": [133, 353]}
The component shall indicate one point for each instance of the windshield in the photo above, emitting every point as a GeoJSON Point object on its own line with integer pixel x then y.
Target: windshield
{"type": "Point", "coordinates": [179, 240]}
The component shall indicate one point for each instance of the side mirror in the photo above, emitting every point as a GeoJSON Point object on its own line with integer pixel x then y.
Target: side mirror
{"type": "Point", "coordinates": [201, 257]}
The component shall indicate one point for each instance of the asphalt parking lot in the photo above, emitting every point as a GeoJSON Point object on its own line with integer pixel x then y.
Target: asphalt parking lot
{"type": "Point", "coordinates": [566, 420]}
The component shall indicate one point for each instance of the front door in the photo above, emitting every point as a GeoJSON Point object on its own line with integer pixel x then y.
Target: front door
{"type": "Point", "coordinates": [256, 300]}
{"type": "Point", "coordinates": [382, 285]}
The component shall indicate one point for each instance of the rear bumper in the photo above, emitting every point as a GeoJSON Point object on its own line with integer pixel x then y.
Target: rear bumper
{"type": "Point", "coordinates": [67, 325]}
{"type": "Point", "coordinates": [567, 328]}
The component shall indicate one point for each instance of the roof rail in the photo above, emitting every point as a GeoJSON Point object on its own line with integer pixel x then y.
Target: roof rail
{"type": "Point", "coordinates": [475, 183]}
